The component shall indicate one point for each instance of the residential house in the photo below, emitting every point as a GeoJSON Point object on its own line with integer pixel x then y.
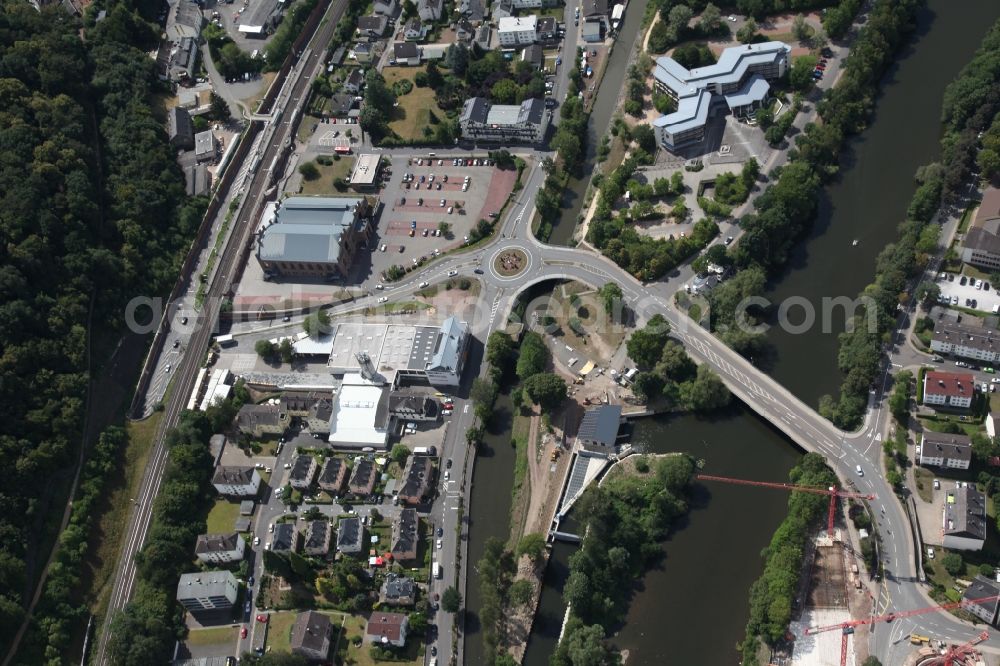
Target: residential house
{"type": "Point", "coordinates": [366, 52]}
{"type": "Point", "coordinates": [482, 120]}
{"type": "Point", "coordinates": [949, 389]}
{"type": "Point", "coordinates": [350, 535]}
{"type": "Point", "coordinates": [303, 472]}
{"type": "Point", "coordinates": [405, 536]}
{"type": "Point", "coordinates": [197, 180]}
{"type": "Point", "coordinates": [517, 30]}
{"type": "Point", "coordinates": [180, 129]}
{"type": "Point", "coordinates": [398, 591]}
{"type": "Point", "coordinates": [503, 9]}
{"type": "Point", "coordinates": [312, 236]}
{"type": "Point", "coordinates": [483, 36]}
{"type": "Point", "coordinates": [183, 59]}
{"type": "Point", "coordinates": [534, 56]}
{"type": "Point", "coordinates": [945, 450]}
{"type": "Point", "coordinates": [416, 479]}
{"type": "Point", "coordinates": [739, 79]}
{"type": "Point", "coordinates": [413, 407]}
{"type": "Point", "coordinates": [594, 8]}
{"type": "Point", "coordinates": [260, 420]}
{"type": "Point", "coordinates": [964, 519]}
{"type": "Point", "coordinates": [464, 31]}
{"type": "Point", "coordinates": [207, 591]}
{"type": "Point", "coordinates": [474, 10]}
{"type": "Point", "coordinates": [363, 478]}
{"type": "Point", "coordinates": [415, 31]}
{"type": "Point", "coordinates": [355, 81]}
{"type": "Point", "coordinates": [387, 629]}
{"type": "Point", "coordinates": [235, 481]}
{"type": "Point", "coordinates": [598, 432]}
{"type": "Point", "coordinates": [341, 105]}
{"type": "Point", "coordinates": [311, 635]}
{"type": "Point", "coordinates": [373, 26]}
{"type": "Point", "coordinates": [430, 11]}
{"type": "Point", "coordinates": [386, 7]}
{"type": "Point", "coordinates": [981, 599]}
{"type": "Point", "coordinates": [333, 476]}
{"type": "Point", "coordinates": [318, 418]}
{"type": "Point", "coordinates": [406, 53]}
{"type": "Point", "coordinates": [285, 539]}
{"type": "Point", "coordinates": [205, 146]}
{"type": "Point", "coordinates": [548, 29]}
{"type": "Point", "coordinates": [219, 548]}
{"type": "Point", "coordinates": [981, 246]}
{"type": "Point", "coordinates": [318, 534]}
{"type": "Point", "coordinates": [961, 339]}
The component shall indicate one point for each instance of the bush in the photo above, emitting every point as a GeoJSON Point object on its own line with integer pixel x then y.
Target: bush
{"type": "Point", "coordinates": [309, 171]}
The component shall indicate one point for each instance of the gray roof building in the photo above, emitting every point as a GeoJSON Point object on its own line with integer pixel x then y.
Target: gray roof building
{"type": "Point", "coordinates": [261, 419]}
{"type": "Point", "coordinates": [286, 538]}
{"type": "Point", "coordinates": [450, 348]}
{"type": "Point", "coordinates": [405, 535]}
{"type": "Point", "coordinates": [182, 59]}
{"type": "Point", "coordinates": [409, 406]}
{"type": "Point", "coordinates": [957, 448]}
{"type": "Point", "coordinates": [204, 146]}
{"type": "Point", "coordinates": [303, 470]}
{"type": "Point", "coordinates": [216, 543]}
{"type": "Point", "coordinates": [311, 635]}
{"type": "Point", "coordinates": [405, 50]}
{"type": "Point", "coordinates": [318, 534]}
{"type": "Point", "coordinates": [483, 37]}
{"type": "Point", "coordinates": [534, 55]}
{"type": "Point", "coordinates": [363, 477]}
{"type": "Point", "coordinates": [333, 476]}
{"type": "Point", "coordinates": [546, 28]}
{"type": "Point", "coordinates": [971, 341]}
{"type": "Point", "coordinates": [355, 80]}
{"type": "Point", "coordinates": [417, 478]}
{"type": "Point", "coordinates": [398, 591]}
{"type": "Point", "coordinates": [312, 231]}
{"type": "Point", "coordinates": [341, 105]}
{"type": "Point", "coordinates": [507, 123]}
{"type": "Point", "coordinates": [430, 10]}
{"type": "Point", "coordinates": [349, 535]}
{"type": "Point", "coordinates": [474, 10]}
{"type": "Point", "coordinates": [592, 30]}
{"type": "Point", "coordinates": [980, 599]}
{"type": "Point", "coordinates": [197, 180]}
{"type": "Point", "coordinates": [981, 245]}
{"type": "Point", "coordinates": [233, 476]}
{"type": "Point", "coordinates": [180, 128]}
{"type": "Point", "coordinates": [207, 590]}
{"type": "Point", "coordinates": [964, 519]}
{"type": "Point", "coordinates": [373, 26]}
{"type": "Point", "coordinates": [599, 428]}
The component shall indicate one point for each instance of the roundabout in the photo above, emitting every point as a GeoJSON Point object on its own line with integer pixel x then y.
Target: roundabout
{"type": "Point", "coordinates": [510, 262]}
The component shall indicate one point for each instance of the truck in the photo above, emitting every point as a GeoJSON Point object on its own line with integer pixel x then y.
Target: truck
{"type": "Point", "coordinates": [421, 451]}
{"type": "Point", "coordinates": [225, 341]}
{"type": "Point", "coordinates": [438, 571]}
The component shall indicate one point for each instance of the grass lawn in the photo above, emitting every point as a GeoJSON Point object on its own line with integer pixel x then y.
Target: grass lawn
{"type": "Point", "coordinates": [223, 516]}
{"type": "Point", "coordinates": [327, 175]}
{"type": "Point", "coordinates": [924, 479]}
{"type": "Point", "coordinates": [279, 634]}
{"type": "Point", "coordinates": [360, 655]}
{"type": "Point", "coordinates": [963, 225]}
{"type": "Point", "coordinates": [413, 112]}
{"type": "Point", "coordinates": [214, 636]}
{"type": "Point", "coordinates": [520, 492]}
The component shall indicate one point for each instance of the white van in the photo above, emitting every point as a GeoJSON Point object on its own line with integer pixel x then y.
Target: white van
{"type": "Point", "coordinates": [438, 571]}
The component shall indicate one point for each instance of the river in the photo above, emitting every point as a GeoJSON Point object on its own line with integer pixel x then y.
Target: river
{"type": "Point", "coordinates": [711, 560]}
{"type": "Point", "coordinates": [870, 199]}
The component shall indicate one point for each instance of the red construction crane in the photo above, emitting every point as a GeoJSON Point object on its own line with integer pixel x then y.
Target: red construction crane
{"type": "Point", "coordinates": [847, 628]}
{"type": "Point", "coordinates": [957, 652]}
{"type": "Point", "coordinates": [833, 492]}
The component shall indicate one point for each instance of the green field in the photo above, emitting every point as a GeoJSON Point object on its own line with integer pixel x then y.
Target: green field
{"type": "Point", "coordinates": [328, 173]}
{"type": "Point", "coordinates": [223, 516]}
{"type": "Point", "coordinates": [415, 107]}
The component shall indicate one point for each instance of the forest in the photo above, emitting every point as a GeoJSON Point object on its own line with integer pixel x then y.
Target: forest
{"type": "Point", "coordinates": [93, 213]}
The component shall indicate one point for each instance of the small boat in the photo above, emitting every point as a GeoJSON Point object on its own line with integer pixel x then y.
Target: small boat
{"type": "Point", "coordinates": [854, 243]}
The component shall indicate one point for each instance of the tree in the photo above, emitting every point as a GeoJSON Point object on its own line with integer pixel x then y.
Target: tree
{"type": "Point", "coordinates": [317, 323]}
{"type": "Point", "coordinates": [504, 91]}
{"type": "Point", "coordinates": [837, 21]}
{"type": "Point", "coordinates": [872, 661]}
{"type": "Point", "coordinates": [309, 171]}
{"type": "Point", "coordinates": [675, 364]}
{"type": "Point", "coordinates": [522, 592]}
{"type": "Point", "coordinates": [417, 623]}
{"type": "Point", "coordinates": [645, 137]}
{"type": "Point", "coordinates": [265, 349]}
{"type": "Point", "coordinates": [532, 545]}
{"type": "Point", "coordinates": [646, 344]}
{"type": "Point", "coordinates": [705, 392]}
{"type": "Point", "coordinates": [928, 292]}
{"type": "Point", "coordinates": [400, 452]}
{"type": "Point", "coordinates": [545, 390]}
{"type": "Point", "coordinates": [660, 38]}
{"type": "Point", "coordinates": [678, 20]}
{"type": "Point", "coordinates": [444, 228]}
{"type": "Point", "coordinates": [286, 351]}
{"type": "Point", "coordinates": [451, 599]}
{"type": "Point", "coordinates": [800, 75]}
{"type": "Point", "coordinates": [500, 350]}
{"type": "Point", "coordinates": [953, 563]}
{"type": "Point", "coordinates": [748, 32]}
{"type": "Point", "coordinates": [483, 392]}
{"type": "Point", "coordinates": [899, 401]}
{"type": "Point", "coordinates": [611, 298]}
{"type": "Point", "coordinates": [220, 108]}
{"type": "Point", "coordinates": [801, 30]}
{"type": "Point", "coordinates": [534, 355]}
{"type": "Point", "coordinates": [710, 19]}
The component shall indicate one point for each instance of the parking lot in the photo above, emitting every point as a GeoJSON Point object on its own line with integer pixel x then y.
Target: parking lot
{"type": "Point", "coordinates": [986, 298]}
{"type": "Point", "coordinates": [414, 209]}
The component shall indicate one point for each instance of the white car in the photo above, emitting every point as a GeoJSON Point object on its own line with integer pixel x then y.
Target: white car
{"type": "Point", "coordinates": [270, 528]}
{"type": "Point", "coordinates": [450, 208]}
{"type": "Point", "coordinates": [447, 474]}
{"type": "Point", "coordinates": [439, 544]}
{"type": "Point", "coordinates": [256, 541]}
{"type": "Point", "coordinates": [465, 187]}
{"type": "Point", "coordinates": [423, 284]}
{"type": "Point", "coordinates": [446, 412]}
{"type": "Point", "coordinates": [732, 18]}
{"type": "Point", "coordinates": [383, 247]}
{"type": "Point", "coordinates": [288, 465]}
{"type": "Point", "coordinates": [452, 273]}
{"type": "Point", "coordinates": [380, 286]}
{"type": "Point", "coordinates": [442, 203]}
{"type": "Point", "coordinates": [930, 553]}
{"type": "Point", "coordinates": [937, 485]}
{"type": "Point", "coordinates": [383, 299]}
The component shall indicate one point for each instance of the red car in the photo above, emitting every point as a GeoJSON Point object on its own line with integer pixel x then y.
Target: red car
{"type": "Point", "coordinates": [243, 632]}
{"type": "Point", "coordinates": [262, 619]}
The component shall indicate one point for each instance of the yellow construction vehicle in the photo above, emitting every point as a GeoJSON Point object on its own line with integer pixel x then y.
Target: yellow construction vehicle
{"type": "Point", "coordinates": [917, 639]}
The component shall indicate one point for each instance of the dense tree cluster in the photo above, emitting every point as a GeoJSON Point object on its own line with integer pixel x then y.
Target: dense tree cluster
{"type": "Point", "coordinates": [288, 31]}
{"type": "Point", "coordinates": [675, 26]}
{"type": "Point", "coordinates": [772, 595]}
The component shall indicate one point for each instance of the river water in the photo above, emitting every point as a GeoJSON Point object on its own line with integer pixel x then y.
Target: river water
{"type": "Point", "coordinates": [711, 560]}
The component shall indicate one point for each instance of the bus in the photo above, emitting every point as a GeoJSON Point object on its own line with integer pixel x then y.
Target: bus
{"type": "Point", "coordinates": [225, 341]}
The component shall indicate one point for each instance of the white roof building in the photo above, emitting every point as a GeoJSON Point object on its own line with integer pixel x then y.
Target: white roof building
{"type": "Point", "coordinates": [360, 416]}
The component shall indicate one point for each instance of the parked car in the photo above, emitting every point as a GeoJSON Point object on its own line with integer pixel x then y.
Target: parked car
{"type": "Point", "coordinates": [383, 299]}
{"type": "Point", "coordinates": [243, 632]}
{"type": "Point", "coordinates": [452, 273]}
